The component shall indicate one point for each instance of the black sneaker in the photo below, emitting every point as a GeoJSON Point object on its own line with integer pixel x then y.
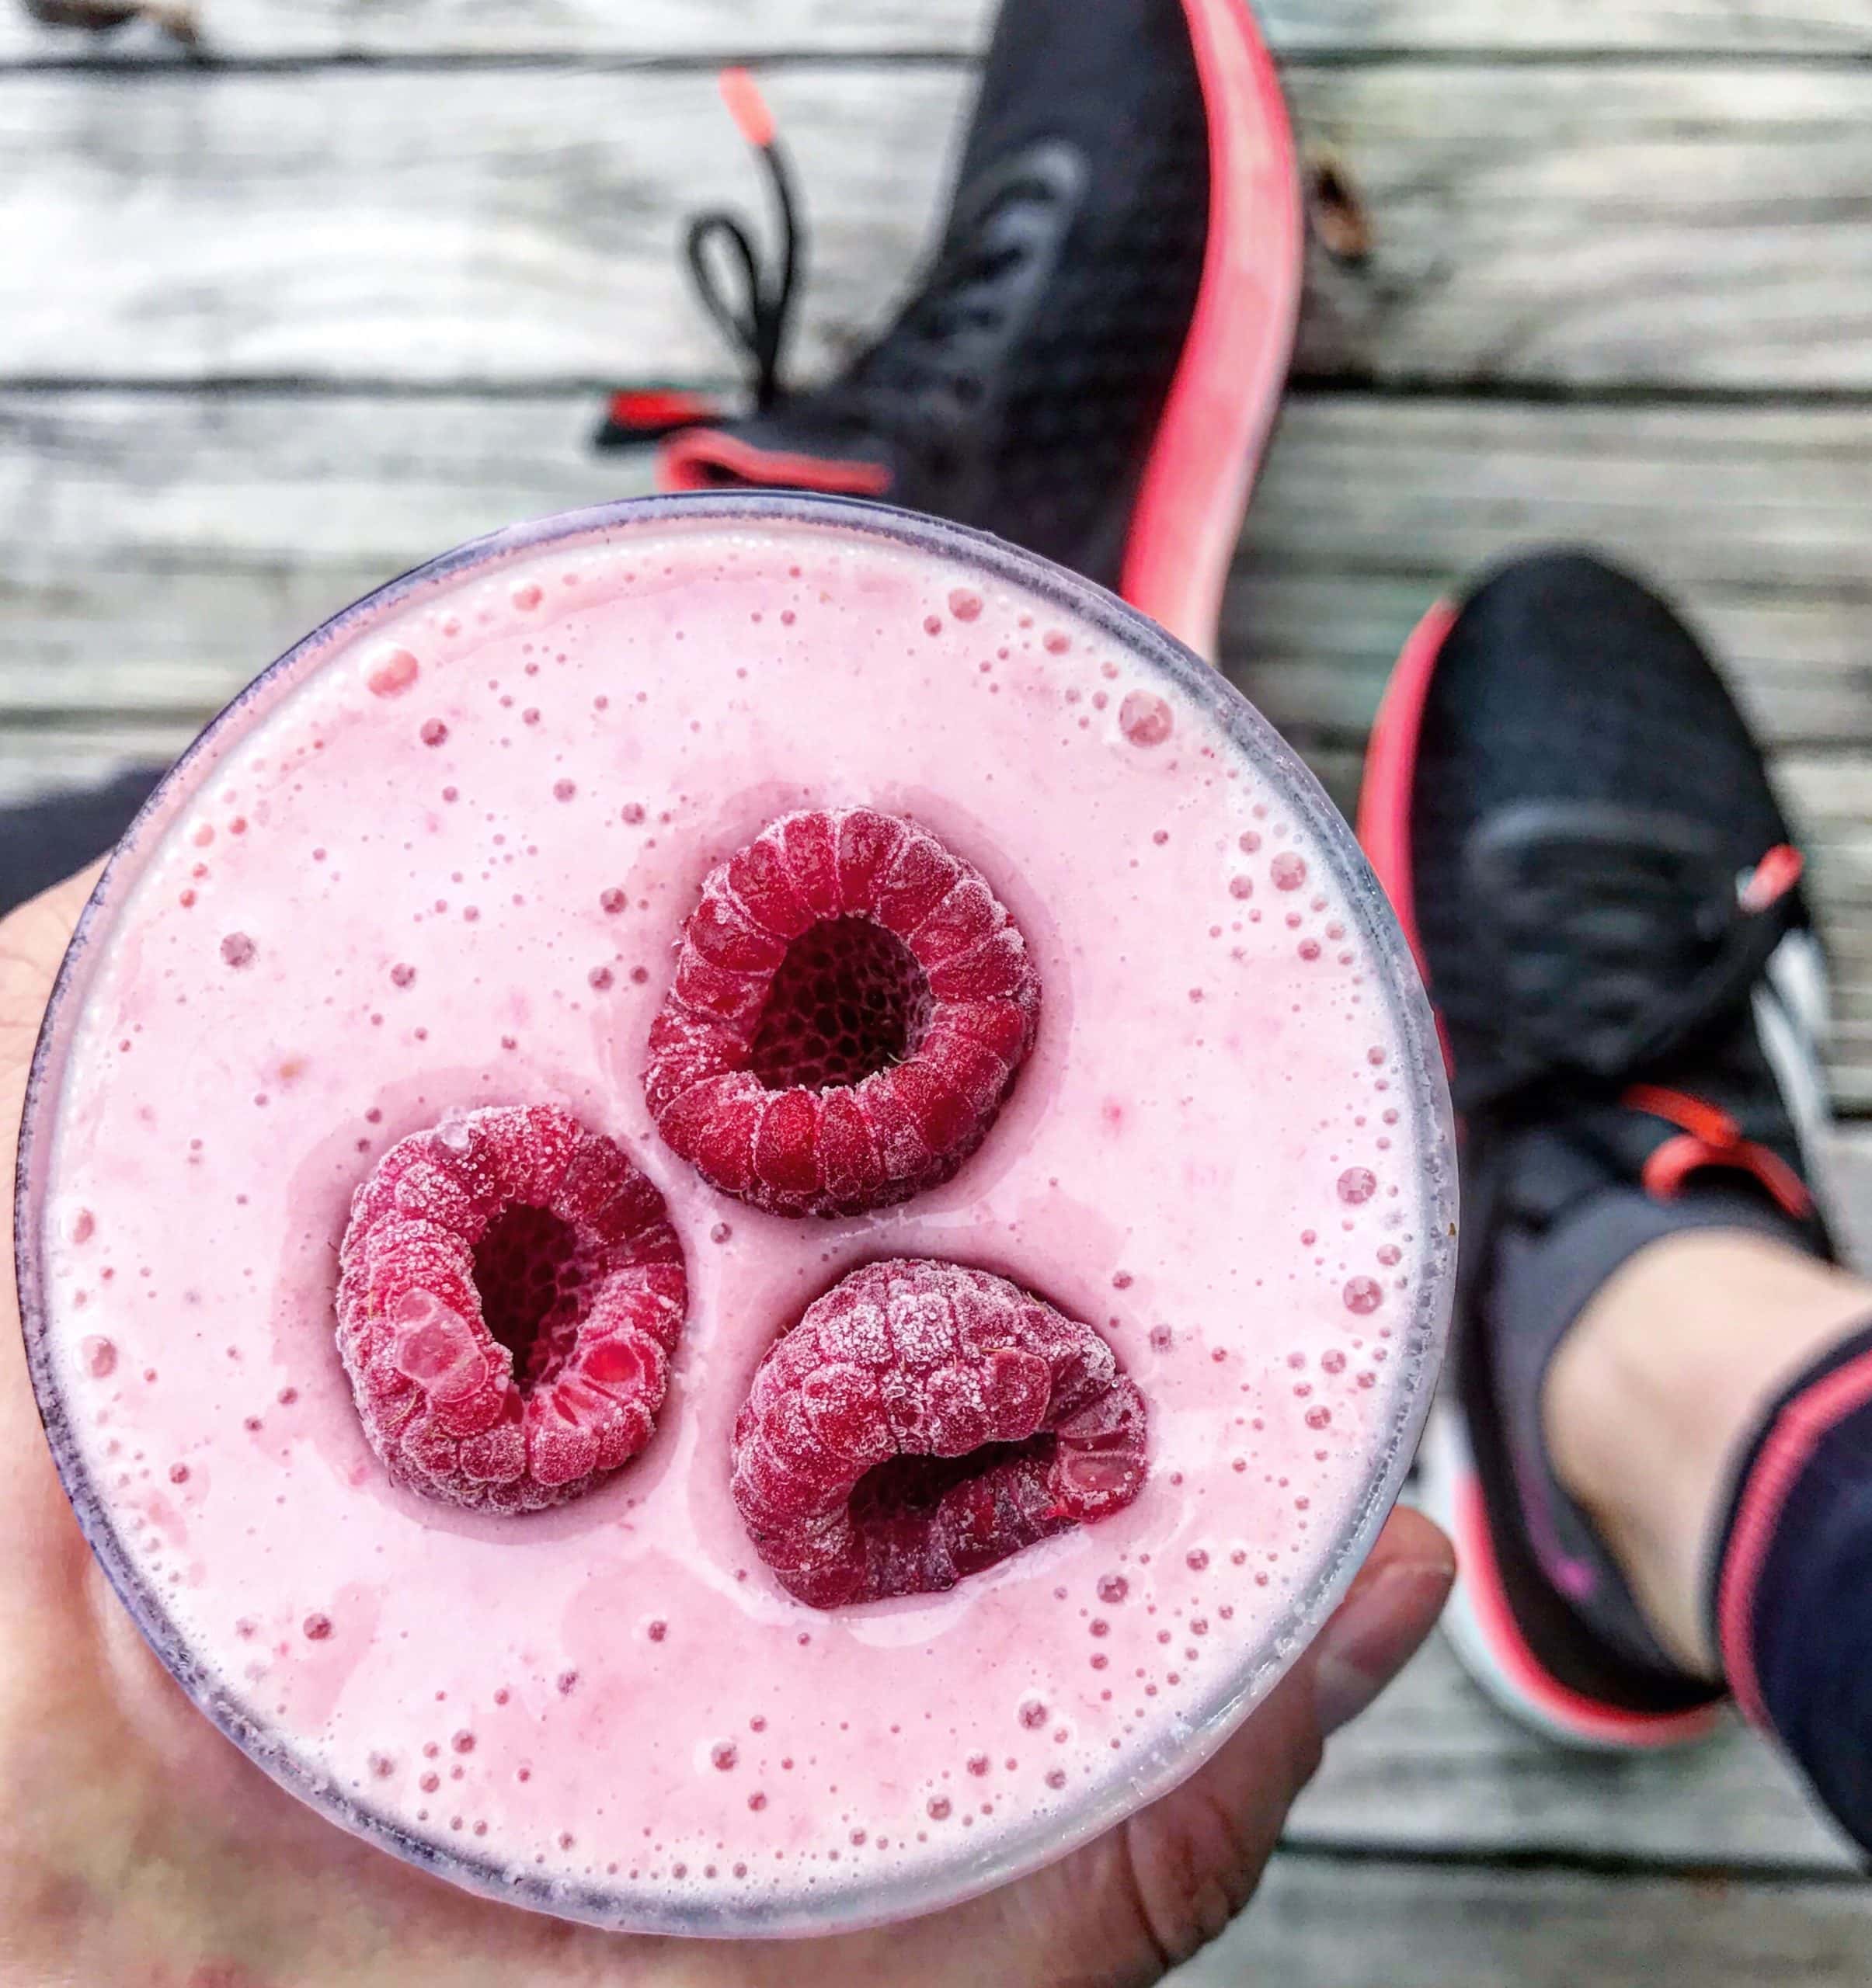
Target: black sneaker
{"type": "Point", "coordinates": [1578, 834]}
{"type": "Point", "coordinates": [1091, 364]}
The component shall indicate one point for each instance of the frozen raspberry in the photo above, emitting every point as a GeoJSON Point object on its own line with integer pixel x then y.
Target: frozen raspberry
{"type": "Point", "coordinates": [850, 1004]}
{"type": "Point", "coordinates": [922, 1422]}
{"type": "Point", "coordinates": [510, 1293]}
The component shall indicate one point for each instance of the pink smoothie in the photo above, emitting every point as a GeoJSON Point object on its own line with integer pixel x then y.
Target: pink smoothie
{"type": "Point", "coordinates": [438, 860]}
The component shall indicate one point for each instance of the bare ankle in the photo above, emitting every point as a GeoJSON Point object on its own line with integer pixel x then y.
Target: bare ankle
{"type": "Point", "coordinates": [1664, 1376]}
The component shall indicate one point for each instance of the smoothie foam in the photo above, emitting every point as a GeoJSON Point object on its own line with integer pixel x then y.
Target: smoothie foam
{"type": "Point", "coordinates": [438, 859]}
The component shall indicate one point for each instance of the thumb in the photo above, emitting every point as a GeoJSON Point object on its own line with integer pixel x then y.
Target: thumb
{"type": "Point", "coordinates": [1384, 1617]}
{"type": "Point", "coordinates": [1196, 1856]}
{"type": "Point", "coordinates": [46, 1552]}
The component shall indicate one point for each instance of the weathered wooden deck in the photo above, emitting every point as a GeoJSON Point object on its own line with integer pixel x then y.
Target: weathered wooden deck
{"type": "Point", "coordinates": [273, 328]}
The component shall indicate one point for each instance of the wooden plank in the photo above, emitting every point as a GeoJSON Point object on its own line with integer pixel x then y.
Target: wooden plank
{"type": "Point", "coordinates": [1434, 1769]}
{"type": "Point", "coordinates": [1581, 225]}
{"type": "Point", "coordinates": [505, 228]}
{"type": "Point", "coordinates": [599, 29]}
{"type": "Point", "coordinates": [161, 547]}
{"type": "Point", "coordinates": [1643, 224]}
{"type": "Point", "coordinates": [1760, 520]}
{"type": "Point", "coordinates": [1319, 1924]}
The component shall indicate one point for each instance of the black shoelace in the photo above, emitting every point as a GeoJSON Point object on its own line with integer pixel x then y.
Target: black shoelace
{"type": "Point", "coordinates": [723, 258]}
{"type": "Point", "coordinates": [931, 370]}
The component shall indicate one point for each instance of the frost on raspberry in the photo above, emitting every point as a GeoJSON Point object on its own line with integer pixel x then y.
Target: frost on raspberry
{"type": "Point", "coordinates": [850, 1005]}
{"type": "Point", "coordinates": [922, 1422]}
{"type": "Point", "coordinates": [510, 1293]}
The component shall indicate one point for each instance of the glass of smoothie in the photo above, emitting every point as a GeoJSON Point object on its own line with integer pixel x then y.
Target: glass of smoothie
{"type": "Point", "coordinates": [734, 1214]}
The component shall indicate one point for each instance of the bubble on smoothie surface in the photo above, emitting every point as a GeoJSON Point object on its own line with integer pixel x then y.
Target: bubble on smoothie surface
{"type": "Point", "coordinates": [511, 1292]}
{"type": "Point", "coordinates": [1145, 719]}
{"type": "Point", "coordinates": [238, 950]}
{"type": "Point", "coordinates": [850, 1004]}
{"type": "Point", "coordinates": [1357, 1185]}
{"type": "Point", "coordinates": [1362, 1295]}
{"type": "Point", "coordinates": [1287, 870]}
{"type": "Point", "coordinates": [922, 1423]}
{"type": "Point", "coordinates": [392, 672]}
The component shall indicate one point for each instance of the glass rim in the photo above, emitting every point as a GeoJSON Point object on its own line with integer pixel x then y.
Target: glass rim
{"type": "Point", "coordinates": [1046, 1838]}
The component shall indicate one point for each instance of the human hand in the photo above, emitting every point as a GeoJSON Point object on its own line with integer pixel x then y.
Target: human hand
{"type": "Point", "coordinates": [139, 1849]}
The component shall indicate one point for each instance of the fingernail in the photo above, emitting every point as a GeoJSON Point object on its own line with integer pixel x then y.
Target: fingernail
{"type": "Point", "coordinates": [1371, 1638]}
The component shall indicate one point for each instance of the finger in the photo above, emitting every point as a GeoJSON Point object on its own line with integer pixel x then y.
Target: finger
{"type": "Point", "coordinates": [1197, 1855]}
{"type": "Point", "coordinates": [48, 1554]}
{"type": "Point", "coordinates": [33, 941]}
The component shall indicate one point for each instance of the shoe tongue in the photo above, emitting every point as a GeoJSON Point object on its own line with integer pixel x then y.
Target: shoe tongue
{"type": "Point", "coordinates": [787, 450]}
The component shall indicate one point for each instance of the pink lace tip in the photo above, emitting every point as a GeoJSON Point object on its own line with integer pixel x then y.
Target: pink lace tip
{"type": "Point", "coordinates": [747, 107]}
{"type": "Point", "coordinates": [655, 411]}
{"type": "Point", "coordinates": [1774, 877]}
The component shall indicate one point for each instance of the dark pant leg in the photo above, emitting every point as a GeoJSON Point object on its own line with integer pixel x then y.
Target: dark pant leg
{"type": "Point", "coordinates": [1793, 1600]}
{"type": "Point", "coordinates": [47, 839]}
